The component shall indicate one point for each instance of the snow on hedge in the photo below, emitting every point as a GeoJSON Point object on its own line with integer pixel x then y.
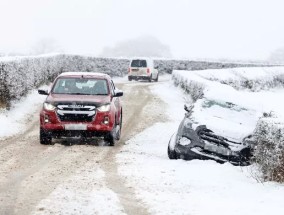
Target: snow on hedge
{"type": "Point", "coordinates": [254, 79]}
{"type": "Point", "coordinates": [18, 75]}
{"type": "Point", "coordinates": [269, 153]}
{"type": "Point", "coordinates": [233, 109]}
{"type": "Point", "coordinates": [167, 66]}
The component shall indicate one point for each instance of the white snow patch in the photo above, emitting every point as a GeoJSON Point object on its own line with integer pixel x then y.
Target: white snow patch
{"type": "Point", "coordinates": [82, 193]}
{"type": "Point", "coordinates": [15, 120]}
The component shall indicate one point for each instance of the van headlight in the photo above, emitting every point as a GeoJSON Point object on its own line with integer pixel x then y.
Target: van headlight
{"type": "Point", "coordinates": [48, 106]}
{"type": "Point", "coordinates": [104, 108]}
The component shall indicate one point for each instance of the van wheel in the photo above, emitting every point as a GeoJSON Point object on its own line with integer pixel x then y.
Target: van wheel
{"type": "Point", "coordinates": [44, 137]}
{"type": "Point", "coordinates": [156, 80]}
{"type": "Point", "coordinates": [150, 78]}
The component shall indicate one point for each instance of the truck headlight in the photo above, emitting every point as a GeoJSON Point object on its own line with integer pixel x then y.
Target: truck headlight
{"type": "Point", "coordinates": [48, 106]}
{"type": "Point", "coordinates": [104, 108]}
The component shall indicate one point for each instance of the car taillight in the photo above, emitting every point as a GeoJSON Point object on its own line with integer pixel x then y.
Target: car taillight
{"type": "Point", "coordinates": [128, 70]}
{"type": "Point", "coordinates": [148, 70]}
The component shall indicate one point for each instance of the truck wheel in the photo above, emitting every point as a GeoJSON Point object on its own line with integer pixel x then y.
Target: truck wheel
{"type": "Point", "coordinates": [110, 139]}
{"type": "Point", "coordinates": [44, 137]}
{"type": "Point", "coordinates": [150, 78]}
{"type": "Point", "coordinates": [118, 129]}
{"type": "Point", "coordinates": [113, 136]}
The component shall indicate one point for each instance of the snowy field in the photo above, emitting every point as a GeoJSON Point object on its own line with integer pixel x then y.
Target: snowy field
{"type": "Point", "coordinates": [14, 121]}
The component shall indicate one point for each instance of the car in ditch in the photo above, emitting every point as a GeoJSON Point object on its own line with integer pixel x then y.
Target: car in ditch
{"type": "Point", "coordinates": [81, 104]}
{"type": "Point", "coordinates": [198, 142]}
{"type": "Point", "coordinates": [142, 69]}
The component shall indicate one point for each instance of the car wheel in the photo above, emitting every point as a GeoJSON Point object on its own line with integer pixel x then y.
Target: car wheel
{"type": "Point", "coordinates": [156, 80]}
{"type": "Point", "coordinates": [172, 154]}
{"type": "Point", "coordinates": [129, 79]}
{"type": "Point", "coordinates": [150, 78]}
{"type": "Point", "coordinates": [44, 137]}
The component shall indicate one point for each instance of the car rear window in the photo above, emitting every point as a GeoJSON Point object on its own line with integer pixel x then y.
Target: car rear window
{"type": "Point", "coordinates": [138, 63]}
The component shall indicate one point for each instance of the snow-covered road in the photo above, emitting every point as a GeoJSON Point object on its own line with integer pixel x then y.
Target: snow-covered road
{"type": "Point", "coordinates": [62, 179]}
{"type": "Point", "coordinates": [134, 177]}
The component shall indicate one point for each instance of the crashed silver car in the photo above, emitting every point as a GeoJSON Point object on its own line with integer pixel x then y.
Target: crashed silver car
{"type": "Point", "coordinates": [199, 142]}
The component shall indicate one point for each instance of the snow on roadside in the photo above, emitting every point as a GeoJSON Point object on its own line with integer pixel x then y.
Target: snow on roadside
{"type": "Point", "coordinates": [190, 187]}
{"type": "Point", "coordinates": [14, 121]}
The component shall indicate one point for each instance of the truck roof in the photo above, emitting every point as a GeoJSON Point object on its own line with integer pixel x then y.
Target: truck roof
{"type": "Point", "coordinates": [88, 74]}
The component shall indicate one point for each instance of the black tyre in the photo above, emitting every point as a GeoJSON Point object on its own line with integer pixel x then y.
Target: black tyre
{"type": "Point", "coordinates": [129, 78]}
{"type": "Point", "coordinates": [172, 154]}
{"type": "Point", "coordinates": [110, 138]}
{"type": "Point", "coordinates": [113, 136]}
{"type": "Point", "coordinates": [156, 80]}
{"type": "Point", "coordinates": [118, 129]}
{"type": "Point", "coordinates": [150, 78]}
{"type": "Point", "coordinates": [44, 137]}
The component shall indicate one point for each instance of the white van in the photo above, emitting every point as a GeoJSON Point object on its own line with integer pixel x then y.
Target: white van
{"type": "Point", "coordinates": [142, 69]}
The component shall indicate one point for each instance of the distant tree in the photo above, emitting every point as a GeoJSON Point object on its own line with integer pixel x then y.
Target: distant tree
{"type": "Point", "coordinates": [45, 45]}
{"type": "Point", "coordinates": [277, 56]}
{"type": "Point", "coordinates": [142, 46]}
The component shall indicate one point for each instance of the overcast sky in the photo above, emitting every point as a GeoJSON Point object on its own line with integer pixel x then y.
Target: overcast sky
{"type": "Point", "coordinates": [235, 29]}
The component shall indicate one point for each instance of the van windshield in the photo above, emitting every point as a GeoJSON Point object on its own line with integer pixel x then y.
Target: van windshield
{"type": "Point", "coordinates": [138, 63]}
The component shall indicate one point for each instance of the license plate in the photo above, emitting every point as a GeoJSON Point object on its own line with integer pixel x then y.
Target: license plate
{"type": "Point", "coordinates": [80, 127]}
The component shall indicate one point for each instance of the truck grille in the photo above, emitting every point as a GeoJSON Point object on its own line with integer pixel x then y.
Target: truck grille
{"type": "Point", "coordinates": [76, 113]}
{"type": "Point", "coordinates": [75, 118]}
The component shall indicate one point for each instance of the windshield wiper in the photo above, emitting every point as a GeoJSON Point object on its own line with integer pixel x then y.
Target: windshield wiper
{"type": "Point", "coordinates": [79, 93]}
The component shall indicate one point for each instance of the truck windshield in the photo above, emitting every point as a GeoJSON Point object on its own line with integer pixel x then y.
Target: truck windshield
{"type": "Point", "coordinates": [81, 86]}
{"type": "Point", "coordinates": [138, 63]}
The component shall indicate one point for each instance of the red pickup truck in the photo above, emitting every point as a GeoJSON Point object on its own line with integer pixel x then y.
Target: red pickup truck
{"type": "Point", "coordinates": [81, 104]}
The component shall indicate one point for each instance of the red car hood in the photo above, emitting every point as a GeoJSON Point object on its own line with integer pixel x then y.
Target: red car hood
{"type": "Point", "coordinates": [56, 98]}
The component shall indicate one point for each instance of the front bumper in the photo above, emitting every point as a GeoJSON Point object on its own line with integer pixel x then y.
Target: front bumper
{"type": "Point", "coordinates": [102, 123]}
{"type": "Point", "coordinates": [139, 77]}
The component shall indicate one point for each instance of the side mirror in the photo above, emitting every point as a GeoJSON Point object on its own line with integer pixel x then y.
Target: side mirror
{"type": "Point", "coordinates": [118, 93]}
{"type": "Point", "coordinates": [43, 92]}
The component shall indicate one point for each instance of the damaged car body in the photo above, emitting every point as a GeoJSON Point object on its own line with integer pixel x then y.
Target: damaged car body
{"type": "Point", "coordinates": [198, 142]}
